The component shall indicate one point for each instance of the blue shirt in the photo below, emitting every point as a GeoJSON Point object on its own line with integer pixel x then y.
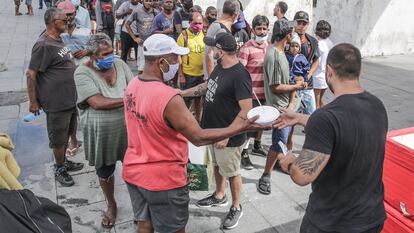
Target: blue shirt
{"type": "Point", "coordinates": [82, 18]}
{"type": "Point", "coordinates": [298, 66]}
{"type": "Point", "coordinates": [161, 23]}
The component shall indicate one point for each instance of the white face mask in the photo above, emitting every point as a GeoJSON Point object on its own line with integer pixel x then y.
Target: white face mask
{"type": "Point", "coordinates": [172, 70]}
{"type": "Point", "coordinates": [261, 39]}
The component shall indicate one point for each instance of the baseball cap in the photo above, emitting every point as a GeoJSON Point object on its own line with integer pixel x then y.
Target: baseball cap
{"type": "Point", "coordinates": [160, 44]}
{"type": "Point", "coordinates": [67, 7]}
{"type": "Point", "coordinates": [222, 40]}
{"type": "Point", "coordinates": [301, 16]}
{"type": "Point", "coordinates": [76, 3]}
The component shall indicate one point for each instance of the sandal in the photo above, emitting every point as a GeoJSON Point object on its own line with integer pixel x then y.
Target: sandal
{"type": "Point", "coordinates": [72, 152]}
{"type": "Point", "coordinates": [264, 185]}
{"type": "Point", "coordinates": [109, 222]}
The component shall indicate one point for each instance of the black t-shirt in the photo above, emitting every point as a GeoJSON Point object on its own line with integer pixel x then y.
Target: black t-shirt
{"type": "Point", "coordinates": [348, 195]}
{"type": "Point", "coordinates": [225, 88]}
{"type": "Point", "coordinates": [55, 85]}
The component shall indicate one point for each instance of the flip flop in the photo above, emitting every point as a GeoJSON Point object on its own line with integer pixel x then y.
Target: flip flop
{"type": "Point", "coordinates": [264, 185]}
{"type": "Point", "coordinates": [72, 152]}
{"type": "Point", "coordinates": [108, 220]}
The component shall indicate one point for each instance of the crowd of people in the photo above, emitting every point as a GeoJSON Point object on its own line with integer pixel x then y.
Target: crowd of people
{"type": "Point", "coordinates": [199, 74]}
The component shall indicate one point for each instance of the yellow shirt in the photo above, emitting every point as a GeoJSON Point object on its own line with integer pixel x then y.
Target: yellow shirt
{"type": "Point", "coordinates": [193, 63]}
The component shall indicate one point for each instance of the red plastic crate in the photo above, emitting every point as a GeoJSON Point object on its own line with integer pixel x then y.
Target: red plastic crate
{"type": "Point", "coordinates": [398, 174]}
{"type": "Point", "coordinates": [396, 222]}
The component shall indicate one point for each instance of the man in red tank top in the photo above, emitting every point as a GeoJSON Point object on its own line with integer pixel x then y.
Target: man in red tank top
{"type": "Point", "coordinates": [159, 125]}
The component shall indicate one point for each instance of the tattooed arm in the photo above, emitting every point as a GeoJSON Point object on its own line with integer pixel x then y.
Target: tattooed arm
{"type": "Point", "coordinates": [196, 91]}
{"type": "Point", "coordinates": [305, 168]}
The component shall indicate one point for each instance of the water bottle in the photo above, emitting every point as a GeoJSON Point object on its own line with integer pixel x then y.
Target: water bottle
{"type": "Point", "coordinates": [31, 117]}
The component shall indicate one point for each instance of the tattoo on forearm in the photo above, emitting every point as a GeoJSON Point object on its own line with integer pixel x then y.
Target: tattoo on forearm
{"type": "Point", "coordinates": [200, 91]}
{"type": "Point", "coordinates": [309, 161]}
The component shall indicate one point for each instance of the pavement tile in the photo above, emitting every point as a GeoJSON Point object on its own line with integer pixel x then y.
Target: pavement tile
{"type": "Point", "coordinates": [87, 219]}
{"type": "Point", "coordinates": [9, 112]}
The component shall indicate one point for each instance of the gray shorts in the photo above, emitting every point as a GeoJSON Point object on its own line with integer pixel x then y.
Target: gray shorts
{"type": "Point", "coordinates": [167, 210]}
{"type": "Point", "coordinates": [60, 125]}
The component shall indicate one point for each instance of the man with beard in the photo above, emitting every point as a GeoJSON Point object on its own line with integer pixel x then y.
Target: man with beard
{"type": "Point", "coordinates": [182, 16]}
{"type": "Point", "coordinates": [163, 22]}
{"type": "Point", "coordinates": [51, 87]}
{"type": "Point", "coordinates": [343, 152]}
{"type": "Point", "coordinates": [211, 14]}
{"type": "Point", "coordinates": [127, 40]}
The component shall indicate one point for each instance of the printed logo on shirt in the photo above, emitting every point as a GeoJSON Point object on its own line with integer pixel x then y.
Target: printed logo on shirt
{"type": "Point", "coordinates": [211, 89]}
{"type": "Point", "coordinates": [131, 106]}
{"type": "Point", "coordinates": [65, 50]}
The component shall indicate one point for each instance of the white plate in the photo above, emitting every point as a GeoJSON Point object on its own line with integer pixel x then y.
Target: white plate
{"type": "Point", "coordinates": [267, 114]}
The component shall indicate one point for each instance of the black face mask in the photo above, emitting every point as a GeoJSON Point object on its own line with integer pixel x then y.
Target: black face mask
{"type": "Point", "coordinates": [218, 58]}
{"type": "Point", "coordinates": [210, 20]}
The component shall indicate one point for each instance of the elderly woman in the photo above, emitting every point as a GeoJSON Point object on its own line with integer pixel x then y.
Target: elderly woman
{"type": "Point", "coordinates": [100, 84]}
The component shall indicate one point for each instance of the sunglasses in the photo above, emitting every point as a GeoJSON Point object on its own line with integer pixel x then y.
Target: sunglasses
{"type": "Point", "coordinates": [64, 20]}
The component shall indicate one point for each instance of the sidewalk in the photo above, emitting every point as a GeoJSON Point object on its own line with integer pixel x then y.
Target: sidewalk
{"type": "Point", "coordinates": [390, 78]}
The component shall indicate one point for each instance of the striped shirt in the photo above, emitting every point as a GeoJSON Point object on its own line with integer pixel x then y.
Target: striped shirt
{"type": "Point", "coordinates": [252, 56]}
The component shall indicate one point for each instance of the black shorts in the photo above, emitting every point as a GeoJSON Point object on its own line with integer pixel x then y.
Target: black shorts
{"type": "Point", "coordinates": [60, 125]}
{"type": "Point", "coordinates": [167, 210]}
{"type": "Point", "coordinates": [308, 227]}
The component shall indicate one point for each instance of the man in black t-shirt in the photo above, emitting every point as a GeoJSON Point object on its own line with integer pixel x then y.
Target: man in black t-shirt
{"type": "Point", "coordinates": [343, 152]}
{"type": "Point", "coordinates": [51, 87]}
{"type": "Point", "coordinates": [227, 100]}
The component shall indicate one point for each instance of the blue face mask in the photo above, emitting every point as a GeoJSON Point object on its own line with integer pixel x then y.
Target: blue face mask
{"type": "Point", "coordinates": [105, 63]}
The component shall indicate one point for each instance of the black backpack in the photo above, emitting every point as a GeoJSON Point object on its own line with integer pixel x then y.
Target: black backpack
{"type": "Point", "coordinates": [22, 211]}
{"type": "Point", "coordinates": [108, 19]}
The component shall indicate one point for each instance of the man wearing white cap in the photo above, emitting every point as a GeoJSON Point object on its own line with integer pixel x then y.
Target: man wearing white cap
{"type": "Point", "coordinates": [82, 18]}
{"type": "Point", "coordinates": [159, 125]}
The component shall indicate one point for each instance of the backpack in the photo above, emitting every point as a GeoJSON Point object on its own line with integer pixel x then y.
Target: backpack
{"type": "Point", "coordinates": [22, 211]}
{"type": "Point", "coordinates": [108, 19]}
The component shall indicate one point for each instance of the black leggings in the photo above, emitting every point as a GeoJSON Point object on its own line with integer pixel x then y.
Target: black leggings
{"type": "Point", "coordinates": [105, 171]}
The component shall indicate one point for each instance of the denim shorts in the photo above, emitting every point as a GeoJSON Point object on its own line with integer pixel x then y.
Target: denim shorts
{"type": "Point", "coordinates": [308, 99]}
{"type": "Point", "coordinates": [279, 135]}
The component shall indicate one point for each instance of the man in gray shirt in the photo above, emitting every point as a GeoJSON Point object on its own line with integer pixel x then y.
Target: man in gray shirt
{"type": "Point", "coordinates": [139, 25]}
{"type": "Point", "coordinates": [127, 42]}
{"type": "Point", "coordinates": [51, 87]}
{"type": "Point", "coordinates": [277, 92]}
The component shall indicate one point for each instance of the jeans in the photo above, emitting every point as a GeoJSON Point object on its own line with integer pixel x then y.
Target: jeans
{"type": "Point", "coordinates": [308, 100]}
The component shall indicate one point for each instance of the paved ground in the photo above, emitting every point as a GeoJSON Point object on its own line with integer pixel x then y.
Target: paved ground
{"type": "Point", "coordinates": [390, 78]}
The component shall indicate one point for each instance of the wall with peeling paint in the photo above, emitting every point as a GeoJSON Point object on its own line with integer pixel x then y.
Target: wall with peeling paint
{"type": "Point", "coordinates": [377, 27]}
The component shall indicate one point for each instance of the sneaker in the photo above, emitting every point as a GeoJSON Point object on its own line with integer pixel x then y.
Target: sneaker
{"type": "Point", "coordinates": [258, 150]}
{"type": "Point", "coordinates": [72, 166]}
{"type": "Point", "coordinates": [212, 201]}
{"type": "Point", "coordinates": [246, 163]}
{"type": "Point", "coordinates": [62, 176]}
{"type": "Point", "coordinates": [233, 217]}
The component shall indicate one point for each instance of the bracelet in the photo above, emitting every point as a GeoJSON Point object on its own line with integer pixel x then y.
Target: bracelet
{"type": "Point", "coordinates": [242, 117]}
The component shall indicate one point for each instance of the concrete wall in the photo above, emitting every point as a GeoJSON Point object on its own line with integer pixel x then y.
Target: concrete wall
{"type": "Point", "coordinates": [377, 27]}
{"type": "Point", "coordinates": [263, 7]}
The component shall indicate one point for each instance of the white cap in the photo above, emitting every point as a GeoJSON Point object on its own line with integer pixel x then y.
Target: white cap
{"type": "Point", "coordinates": [295, 39]}
{"type": "Point", "coordinates": [160, 44]}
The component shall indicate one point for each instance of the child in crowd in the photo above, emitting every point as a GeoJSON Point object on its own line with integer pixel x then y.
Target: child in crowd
{"type": "Point", "coordinates": [299, 68]}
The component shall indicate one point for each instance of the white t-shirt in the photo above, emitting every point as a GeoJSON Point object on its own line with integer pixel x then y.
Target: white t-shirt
{"type": "Point", "coordinates": [324, 46]}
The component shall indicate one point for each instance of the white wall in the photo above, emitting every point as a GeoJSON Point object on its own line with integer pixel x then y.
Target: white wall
{"type": "Point", "coordinates": [263, 7]}
{"type": "Point", "coordinates": [377, 27]}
